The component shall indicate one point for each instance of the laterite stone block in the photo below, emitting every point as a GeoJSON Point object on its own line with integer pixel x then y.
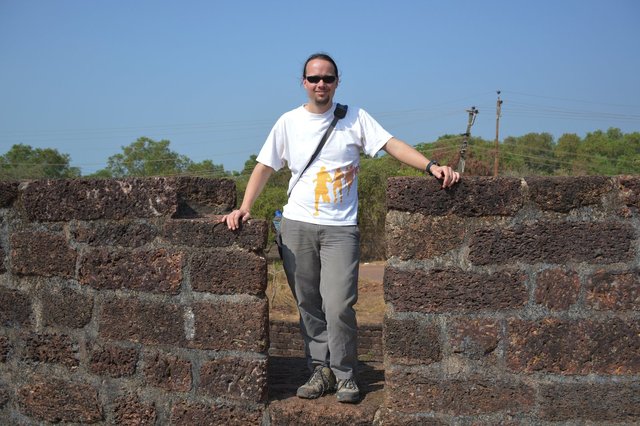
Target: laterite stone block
{"type": "Point", "coordinates": [235, 378]}
{"type": "Point", "coordinates": [554, 242]}
{"type": "Point", "coordinates": [229, 272]}
{"type": "Point", "coordinates": [55, 400]}
{"type": "Point", "coordinates": [578, 347]}
{"type": "Point", "coordinates": [43, 254]}
{"type": "Point", "coordinates": [453, 290]}
{"type": "Point", "coordinates": [472, 197]}
{"type": "Point", "coordinates": [156, 271]}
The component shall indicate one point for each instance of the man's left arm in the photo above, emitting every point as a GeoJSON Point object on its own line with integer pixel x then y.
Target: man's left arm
{"type": "Point", "coordinates": [411, 157]}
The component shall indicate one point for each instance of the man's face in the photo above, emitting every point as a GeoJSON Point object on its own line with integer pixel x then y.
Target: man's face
{"type": "Point", "coordinates": [320, 93]}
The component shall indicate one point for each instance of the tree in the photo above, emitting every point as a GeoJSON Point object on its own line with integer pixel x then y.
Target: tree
{"type": "Point", "coordinates": [566, 154]}
{"type": "Point", "coordinates": [532, 153]}
{"type": "Point", "coordinates": [146, 157]}
{"type": "Point", "coordinates": [206, 168]}
{"type": "Point", "coordinates": [24, 162]}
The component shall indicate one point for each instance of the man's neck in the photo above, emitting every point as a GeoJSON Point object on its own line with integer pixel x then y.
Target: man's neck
{"type": "Point", "coordinates": [318, 108]}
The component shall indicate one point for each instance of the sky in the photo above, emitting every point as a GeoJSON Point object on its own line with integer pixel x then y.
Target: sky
{"type": "Point", "coordinates": [88, 77]}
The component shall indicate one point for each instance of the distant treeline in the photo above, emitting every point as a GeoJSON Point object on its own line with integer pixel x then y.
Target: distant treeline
{"type": "Point", "coordinates": [610, 152]}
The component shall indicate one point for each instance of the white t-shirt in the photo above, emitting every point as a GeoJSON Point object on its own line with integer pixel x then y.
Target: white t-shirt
{"type": "Point", "coordinates": [326, 193]}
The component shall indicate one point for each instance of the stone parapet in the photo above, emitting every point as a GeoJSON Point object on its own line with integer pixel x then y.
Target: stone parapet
{"type": "Point", "coordinates": [512, 301]}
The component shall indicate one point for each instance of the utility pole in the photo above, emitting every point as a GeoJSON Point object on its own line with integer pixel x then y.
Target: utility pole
{"type": "Point", "coordinates": [465, 138]}
{"type": "Point", "coordinates": [498, 110]}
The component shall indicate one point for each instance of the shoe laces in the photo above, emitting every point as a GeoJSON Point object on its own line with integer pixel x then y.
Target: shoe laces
{"type": "Point", "coordinates": [317, 377]}
{"type": "Point", "coordinates": [348, 384]}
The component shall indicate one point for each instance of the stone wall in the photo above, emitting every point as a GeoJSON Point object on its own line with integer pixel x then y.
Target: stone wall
{"type": "Point", "coordinates": [124, 302]}
{"type": "Point", "coordinates": [513, 301]}
{"type": "Point", "coordinates": [510, 301]}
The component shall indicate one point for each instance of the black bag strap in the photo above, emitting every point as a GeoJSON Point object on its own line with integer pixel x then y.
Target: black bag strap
{"type": "Point", "coordinates": [338, 113]}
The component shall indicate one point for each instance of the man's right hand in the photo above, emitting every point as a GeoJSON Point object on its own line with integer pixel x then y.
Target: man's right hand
{"type": "Point", "coordinates": [236, 218]}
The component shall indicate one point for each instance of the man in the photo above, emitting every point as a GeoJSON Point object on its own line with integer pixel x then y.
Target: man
{"type": "Point", "coordinates": [320, 236]}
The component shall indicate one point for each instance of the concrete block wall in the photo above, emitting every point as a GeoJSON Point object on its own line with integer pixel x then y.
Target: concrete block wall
{"type": "Point", "coordinates": [124, 302]}
{"type": "Point", "coordinates": [513, 301]}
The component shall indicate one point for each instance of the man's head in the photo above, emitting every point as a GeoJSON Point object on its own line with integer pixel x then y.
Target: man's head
{"type": "Point", "coordinates": [320, 80]}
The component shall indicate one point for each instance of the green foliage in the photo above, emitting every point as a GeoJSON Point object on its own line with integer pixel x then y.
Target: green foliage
{"type": "Point", "coordinates": [599, 153]}
{"type": "Point", "coordinates": [206, 168]}
{"type": "Point", "coordinates": [529, 154]}
{"type": "Point", "coordinates": [25, 162]}
{"type": "Point", "coordinates": [146, 157]}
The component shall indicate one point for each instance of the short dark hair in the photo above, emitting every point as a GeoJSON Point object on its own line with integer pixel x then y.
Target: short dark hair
{"type": "Point", "coordinates": [322, 56]}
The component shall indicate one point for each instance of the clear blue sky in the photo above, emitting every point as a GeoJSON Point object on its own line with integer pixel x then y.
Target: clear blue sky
{"type": "Point", "coordinates": [88, 77]}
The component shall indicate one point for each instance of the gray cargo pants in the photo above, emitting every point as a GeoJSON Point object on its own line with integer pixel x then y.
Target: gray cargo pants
{"type": "Point", "coordinates": [321, 263]}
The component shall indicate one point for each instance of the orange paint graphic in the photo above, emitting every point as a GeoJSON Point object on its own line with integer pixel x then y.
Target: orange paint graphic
{"type": "Point", "coordinates": [322, 188]}
{"type": "Point", "coordinates": [338, 183]}
{"type": "Point", "coordinates": [350, 176]}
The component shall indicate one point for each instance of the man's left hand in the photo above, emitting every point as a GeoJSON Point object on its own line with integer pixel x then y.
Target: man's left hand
{"type": "Point", "coordinates": [446, 174]}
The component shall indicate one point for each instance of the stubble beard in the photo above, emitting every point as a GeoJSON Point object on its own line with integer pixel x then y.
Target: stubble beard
{"type": "Point", "coordinates": [322, 101]}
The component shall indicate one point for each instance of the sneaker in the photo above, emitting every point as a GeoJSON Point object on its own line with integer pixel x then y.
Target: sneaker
{"type": "Point", "coordinates": [321, 381]}
{"type": "Point", "coordinates": [348, 391]}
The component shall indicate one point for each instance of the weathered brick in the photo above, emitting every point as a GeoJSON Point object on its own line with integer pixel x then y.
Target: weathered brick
{"type": "Point", "coordinates": [235, 378]}
{"type": "Point", "coordinates": [471, 197]}
{"type": "Point", "coordinates": [593, 402]}
{"type": "Point", "coordinates": [168, 372]}
{"type": "Point", "coordinates": [114, 361]}
{"type": "Point", "coordinates": [90, 199]}
{"type": "Point", "coordinates": [42, 253]}
{"type": "Point", "coordinates": [5, 348]}
{"type": "Point", "coordinates": [121, 233]}
{"type": "Point", "coordinates": [563, 194]}
{"type": "Point", "coordinates": [414, 391]}
{"type": "Point", "coordinates": [66, 307]}
{"type": "Point", "coordinates": [574, 347]}
{"type": "Point", "coordinates": [133, 320]}
{"type": "Point", "coordinates": [557, 288]}
{"type": "Point", "coordinates": [554, 242]}
{"type": "Point", "coordinates": [56, 400]}
{"type": "Point", "coordinates": [15, 308]}
{"type": "Point", "coordinates": [156, 271]}
{"type": "Point", "coordinates": [285, 339]}
{"type": "Point", "coordinates": [415, 236]}
{"type": "Point", "coordinates": [52, 348]}
{"type": "Point", "coordinates": [204, 196]}
{"type": "Point", "coordinates": [129, 410]}
{"type": "Point", "coordinates": [389, 417]}
{"type": "Point", "coordinates": [229, 272]}
{"type": "Point", "coordinates": [8, 192]}
{"type": "Point", "coordinates": [186, 413]}
{"type": "Point", "coordinates": [324, 411]}
{"type": "Point", "coordinates": [226, 325]}
{"type": "Point", "coordinates": [411, 341]}
{"type": "Point", "coordinates": [453, 290]}
{"type": "Point", "coordinates": [4, 395]}
{"type": "Point", "coordinates": [211, 233]}
{"type": "Point", "coordinates": [630, 190]}
{"type": "Point", "coordinates": [475, 338]}
{"type": "Point", "coordinates": [614, 290]}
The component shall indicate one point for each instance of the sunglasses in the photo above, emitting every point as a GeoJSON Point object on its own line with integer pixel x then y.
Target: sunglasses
{"type": "Point", "coordinates": [316, 78]}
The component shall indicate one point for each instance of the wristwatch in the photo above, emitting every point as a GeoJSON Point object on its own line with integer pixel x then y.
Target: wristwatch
{"type": "Point", "coordinates": [431, 163]}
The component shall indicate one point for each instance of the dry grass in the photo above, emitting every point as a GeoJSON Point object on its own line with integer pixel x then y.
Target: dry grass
{"type": "Point", "coordinates": [282, 305]}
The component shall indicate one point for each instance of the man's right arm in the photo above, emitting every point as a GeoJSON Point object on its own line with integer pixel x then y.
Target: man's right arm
{"type": "Point", "coordinates": [257, 181]}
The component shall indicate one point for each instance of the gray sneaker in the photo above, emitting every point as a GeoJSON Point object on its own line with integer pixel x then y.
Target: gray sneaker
{"type": "Point", "coordinates": [348, 391]}
{"type": "Point", "coordinates": [321, 381]}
